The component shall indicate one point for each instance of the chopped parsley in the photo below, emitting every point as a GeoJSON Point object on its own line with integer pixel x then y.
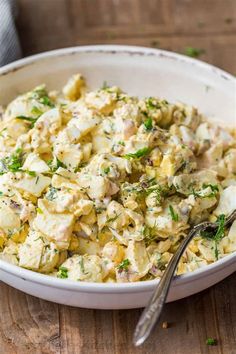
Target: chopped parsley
{"type": "Point", "coordinates": [121, 143]}
{"type": "Point", "coordinates": [28, 119]}
{"type": "Point", "coordinates": [174, 215]}
{"type": "Point", "coordinates": [216, 236]}
{"type": "Point", "coordinates": [112, 218]}
{"type": "Point", "coordinates": [221, 227]}
{"type": "Point", "coordinates": [152, 103]}
{"type": "Point", "coordinates": [194, 52]}
{"type": "Point", "coordinates": [145, 188]}
{"type": "Point", "coordinates": [62, 273]}
{"type": "Point", "coordinates": [39, 210]}
{"type": "Point", "coordinates": [46, 101]}
{"type": "Point", "coordinates": [12, 163]}
{"type": "Point", "coordinates": [81, 263]}
{"type": "Point", "coordinates": [30, 173]}
{"type": "Point", "coordinates": [211, 341]}
{"type": "Point", "coordinates": [55, 164]}
{"type": "Point", "coordinates": [148, 124]}
{"type": "Point", "coordinates": [41, 95]}
{"type": "Point", "coordinates": [200, 193]}
{"type": "Point", "coordinates": [149, 234]}
{"type": "Point", "coordinates": [99, 210]}
{"type": "Point", "coordinates": [35, 110]}
{"type": "Point", "coordinates": [124, 265]}
{"type": "Point", "coordinates": [80, 166]}
{"type": "Point", "coordinates": [138, 154]}
{"type": "Point", "coordinates": [213, 187]}
{"type": "Point", "coordinates": [106, 170]}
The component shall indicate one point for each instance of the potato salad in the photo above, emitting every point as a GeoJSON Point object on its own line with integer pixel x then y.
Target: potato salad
{"type": "Point", "coordinates": [100, 186]}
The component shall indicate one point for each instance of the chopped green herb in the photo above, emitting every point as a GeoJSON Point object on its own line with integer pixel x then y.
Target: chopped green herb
{"type": "Point", "coordinates": [211, 341]}
{"type": "Point", "coordinates": [213, 187]}
{"type": "Point", "coordinates": [38, 238]}
{"type": "Point", "coordinates": [124, 264]}
{"type": "Point", "coordinates": [46, 101]}
{"type": "Point", "coordinates": [174, 215]}
{"type": "Point", "coordinates": [55, 164]}
{"type": "Point", "coordinates": [149, 234]}
{"type": "Point", "coordinates": [221, 227]}
{"type": "Point", "coordinates": [216, 251]}
{"type": "Point", "coordinates": [138, 154]}
{"type": "Point", "coordinates": [148, 123]}
{"type": "Point", "coordinates": [12, 163]}
{"type": "Point", "coordinates": [214, 190]}
{"type": "Point", "coordinates": [2, 131]}
{"type": "Point", "coordinates": [106, 170]}
{"type": "Point", "coordinates": [63, 272]}
{"type": "Point", "coordinates": [31, 173]}
{"type": "Point", "coordinates": [81, 263]}
{"type": "Point", "coordinates": [194, 52]}
{"type": "Point", "coordinates": [112, 218]}
{"type": "Point", "coordinates": [121, 143]}
{"type": "Point", "coordinates": [28, 119]}
{"type": "Point", "coordinates": [35, 110]}
{"type": "Point", "coordinates": [1, 193]}
{"type": "Point", "coordinates": [41, 95]}
{"type": "Point", "coordinates": [80, 166]}
{"type": "Point", "coordinates": [39, 210]}
{"type": "Point", "coordinates": [100, 210]}
{"type": "Point", "coordinates": [152, 103]}
{"type": "Point", "coordinates": [158, 191]}
{"type": "Point", "coordinates": [216, 236]}
{"type": "Point", "coordinates": [145, 188]}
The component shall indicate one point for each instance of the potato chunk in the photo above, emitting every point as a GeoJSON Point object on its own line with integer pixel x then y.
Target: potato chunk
{"type": "Point", "coordinates": [56, 227]}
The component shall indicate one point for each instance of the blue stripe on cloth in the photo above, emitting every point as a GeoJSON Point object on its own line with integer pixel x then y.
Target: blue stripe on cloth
{"type": "Point", "coordinates": [9, 42]}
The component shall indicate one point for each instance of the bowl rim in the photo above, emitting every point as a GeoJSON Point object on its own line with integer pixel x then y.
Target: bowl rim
{"type": "Point", "coordinates": [133, 287]}
{"type": "Point", "coordinates": [113, 49]}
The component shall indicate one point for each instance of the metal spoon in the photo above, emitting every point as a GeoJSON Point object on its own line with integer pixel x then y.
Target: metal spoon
{"type": "Point", "coordinates": [152, 312]}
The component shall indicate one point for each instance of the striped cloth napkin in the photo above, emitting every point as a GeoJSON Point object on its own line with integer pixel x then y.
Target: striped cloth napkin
{"type": "Point", "coordinates": [9, 43]}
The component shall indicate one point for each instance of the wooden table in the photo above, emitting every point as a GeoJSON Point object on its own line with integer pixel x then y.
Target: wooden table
{"type": "Point", "coordinates": [29, 325]}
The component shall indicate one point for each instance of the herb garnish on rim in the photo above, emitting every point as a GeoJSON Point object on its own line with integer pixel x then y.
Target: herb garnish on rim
{"type": "Point", "coordinates": [63, 272]}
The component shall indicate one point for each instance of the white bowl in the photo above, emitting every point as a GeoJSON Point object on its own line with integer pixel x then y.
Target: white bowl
{"type": "Point", "coordinates": [143, 72]}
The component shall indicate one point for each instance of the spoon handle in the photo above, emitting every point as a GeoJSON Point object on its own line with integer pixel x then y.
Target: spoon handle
{"type": "Point", "coordinates": [153, 310]}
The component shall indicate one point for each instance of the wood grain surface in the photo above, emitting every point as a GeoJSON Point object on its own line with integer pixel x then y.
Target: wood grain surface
{"type": "Point", "coordinates": [29, 325]}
